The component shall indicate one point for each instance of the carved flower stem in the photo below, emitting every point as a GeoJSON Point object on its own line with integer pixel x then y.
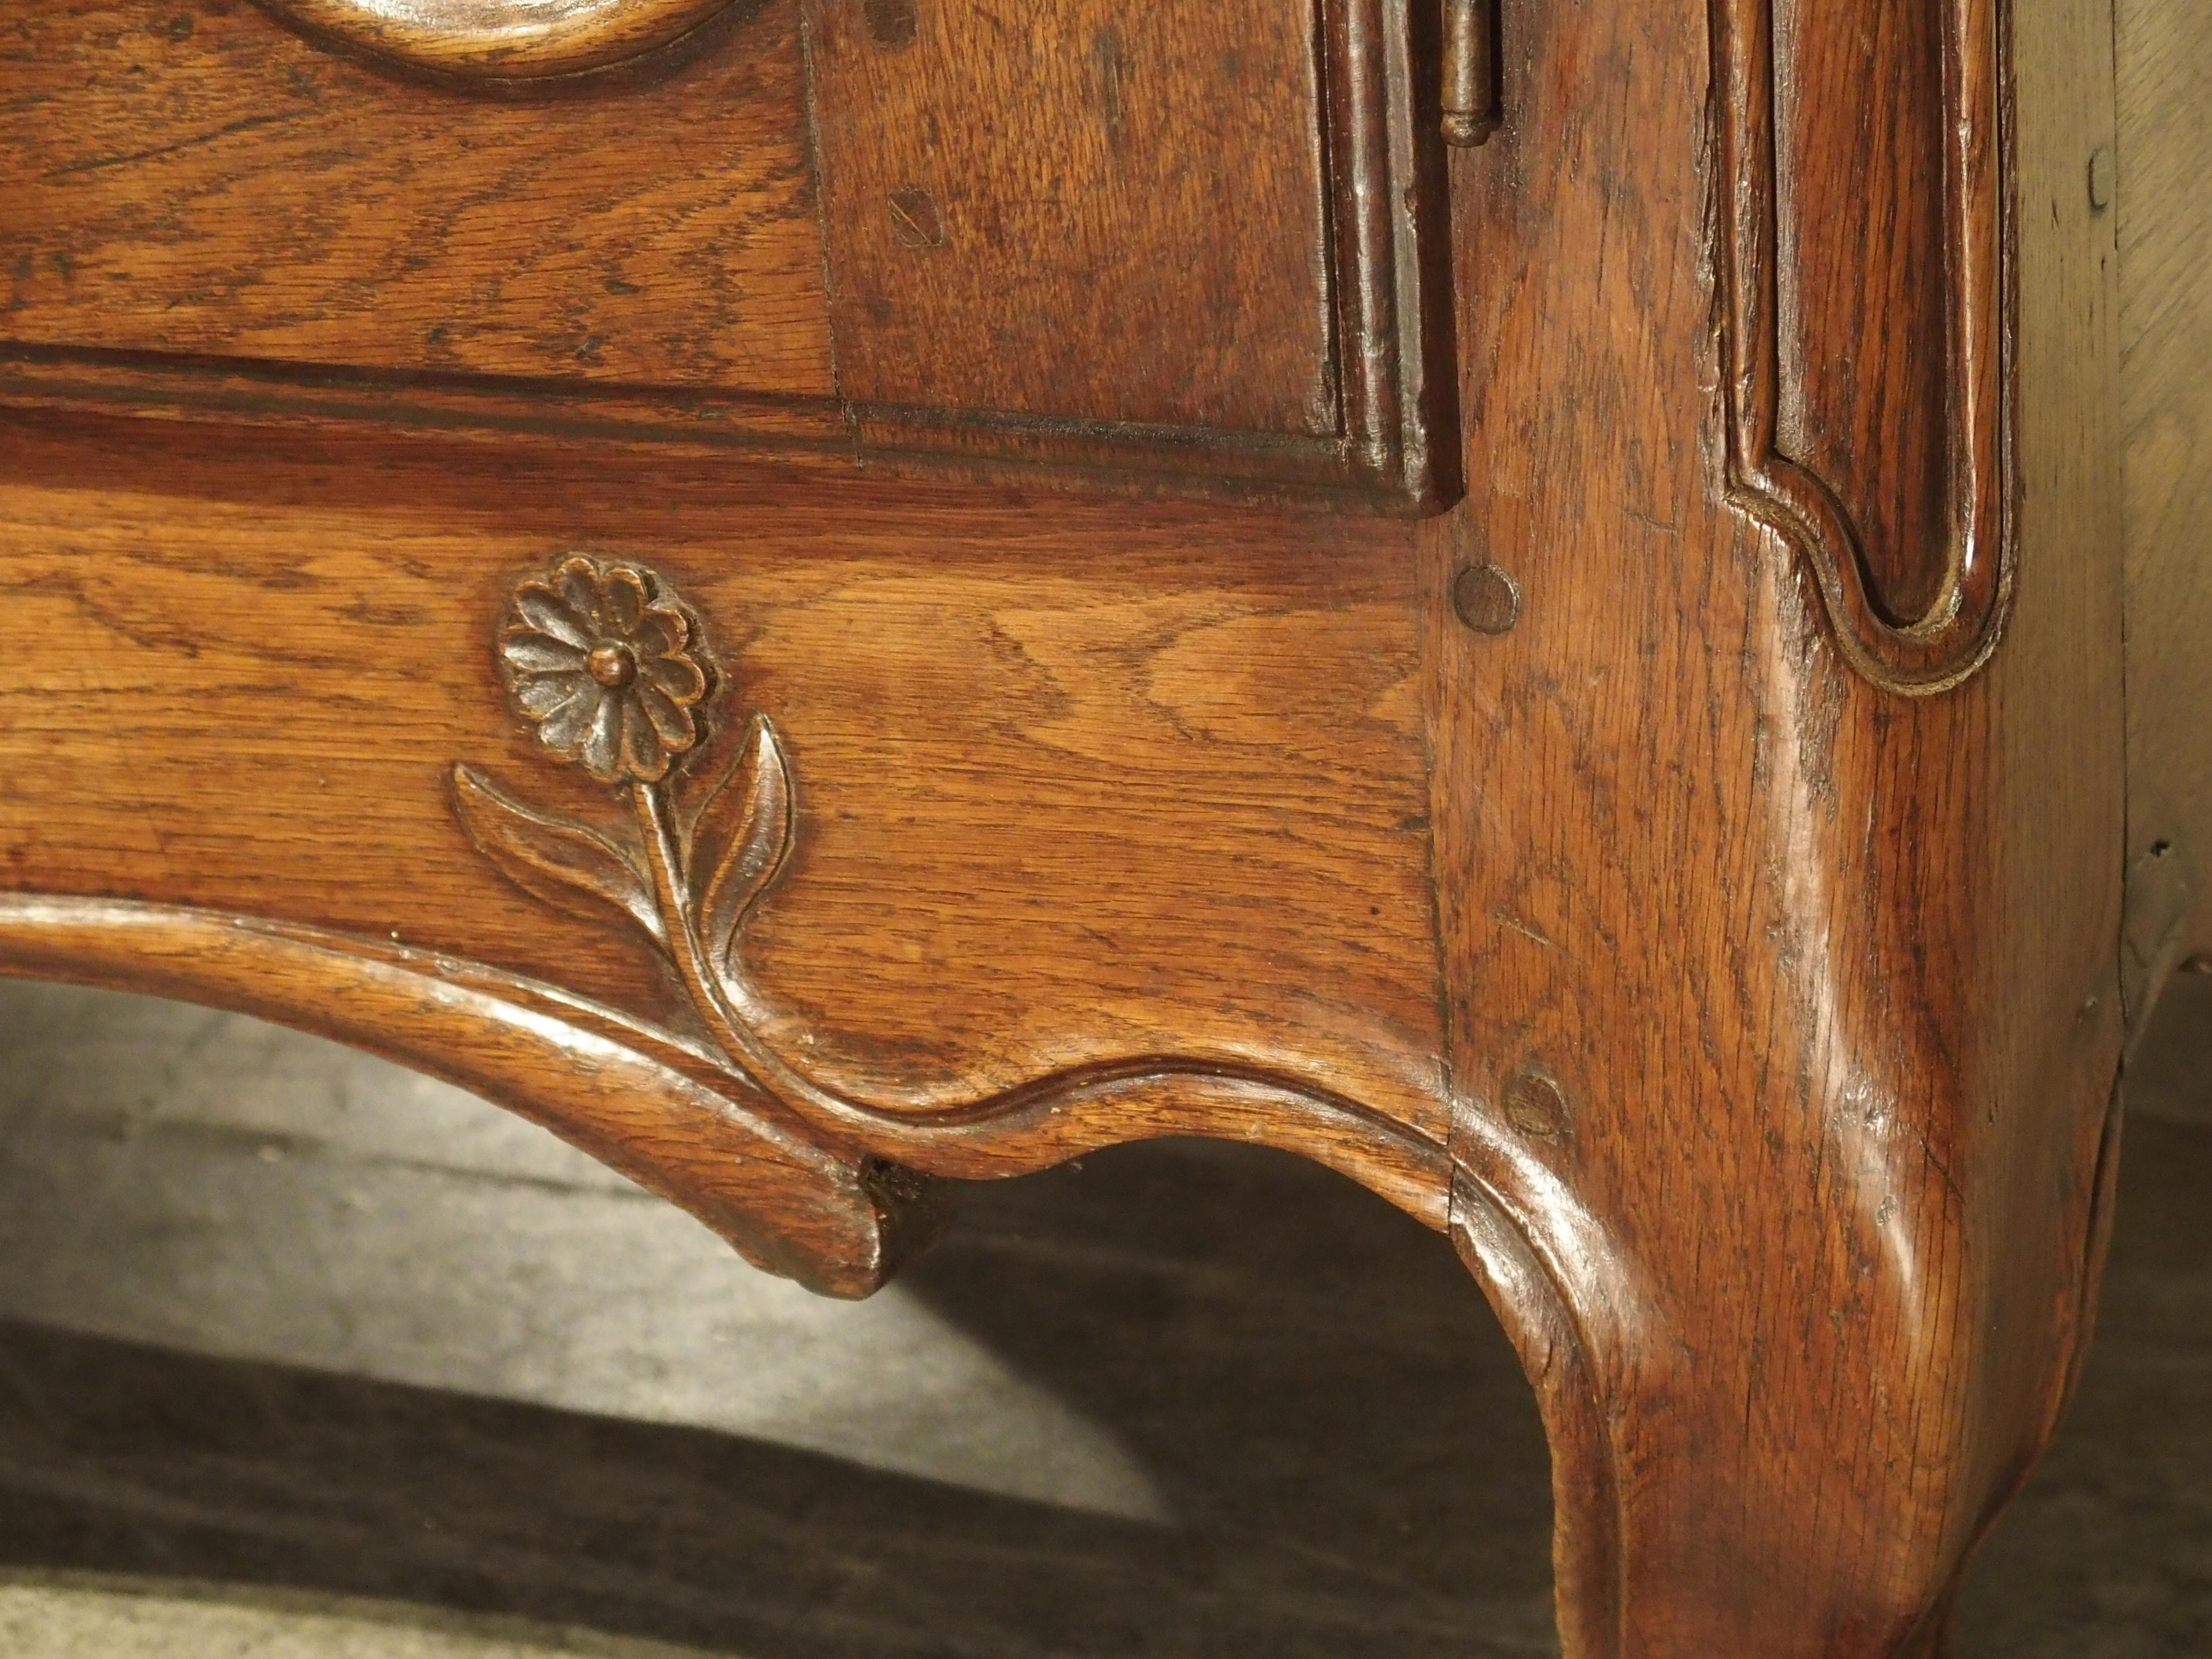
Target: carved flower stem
{"type": "Point", "coordinates": [672, 895]}
{"type": "Point", "coordinates": [610, 667]}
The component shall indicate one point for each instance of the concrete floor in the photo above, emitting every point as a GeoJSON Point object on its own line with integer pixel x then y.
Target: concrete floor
{"type": "Point", "coordinates": [304, 1357]}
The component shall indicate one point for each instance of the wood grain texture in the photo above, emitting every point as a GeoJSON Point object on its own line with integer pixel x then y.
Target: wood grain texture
{"type": "Point", "coordinates": [1867, 292]}
{"type": "Point", "coordinates": [504, 40]}
{"type": "Point", "coordinates": [1752, 1031]}
{"type": "Point", "coordinates": [204, 180]}
{"type": "Point", "coordinates": [2165, 212]}
{"type": "Point", "coordinates": [607, 664]}
{"type": "Point", "coordinates": [221, 217]}
{"type": "Point", "coordinates": [1081, 208]}
{"type": "Point", "coordinates": [1826, 979]}
{"type": "Point", "coordinates": [1196, 219]}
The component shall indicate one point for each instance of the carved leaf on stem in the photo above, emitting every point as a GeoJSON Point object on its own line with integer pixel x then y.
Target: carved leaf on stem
{"type": "Point", "coordinates": [564, 864]}
{"type": "Point", "coordinates": [741, 839]}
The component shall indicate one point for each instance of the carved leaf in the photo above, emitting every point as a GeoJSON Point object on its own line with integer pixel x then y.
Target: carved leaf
{"type": "Point", "coordinates": [564, 864]}
{"type": "Point", "coordinates": [742, 837]}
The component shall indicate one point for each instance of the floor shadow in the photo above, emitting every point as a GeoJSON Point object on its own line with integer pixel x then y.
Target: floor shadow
{"type": "Point", "coordinates": [1334, 1418]}
{"type": "Point", "coordinates": [2108, 1552]}
{"type": "Point", "coordinates": [1352, 1460]}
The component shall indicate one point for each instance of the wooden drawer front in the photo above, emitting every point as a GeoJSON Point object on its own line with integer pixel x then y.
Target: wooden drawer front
{"type": "Point", "coordinates": [1187, 239]}
{"type": "Point", "coordinates": [189, 176]}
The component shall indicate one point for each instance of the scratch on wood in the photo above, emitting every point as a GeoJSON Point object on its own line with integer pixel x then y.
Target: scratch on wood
{"type": "Point", "coordinates": [1106, 56]}
{"type": "Point", "coordinates": [248, 124]}
{"type": "Point", "coordinates": [1522, 929]}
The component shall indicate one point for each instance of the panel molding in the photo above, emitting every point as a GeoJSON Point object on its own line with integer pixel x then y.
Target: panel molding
{"type": "Point", "coordinates": [859, 437]}
{"type": "Point", "coordinates": [1958, 631]}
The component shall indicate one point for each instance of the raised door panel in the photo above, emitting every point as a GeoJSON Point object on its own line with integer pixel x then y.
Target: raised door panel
{"type": "Point", "coordinates": [1079, 209]}
{"type": "Point", "coordinates": [1195, 235]}
{"type": "Point", "coordinates": [1870, 310]}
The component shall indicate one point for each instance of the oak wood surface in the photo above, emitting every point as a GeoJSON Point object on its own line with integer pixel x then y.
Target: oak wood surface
{"type": "Point", "coordinates": [1080, 209]}
{"type": "Point", "coordinates": [1868, 362]}
{"type": "Point", "coordinates": [239, 211]}
{"type": "Point", "coordinates": [1214, 736]}
{"type": "Point", "coordinates": [199, 179]}
{"type": "Point", "coordinates": [2165, 211]}
{"type": "Point", "coordinates": [326, 213]}
{"type": "Point", "coordinates": [1821, 979]}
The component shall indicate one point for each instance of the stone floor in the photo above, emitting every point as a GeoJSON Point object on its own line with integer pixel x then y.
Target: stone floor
{"type": "Point", "coordinates": [302, 1358]}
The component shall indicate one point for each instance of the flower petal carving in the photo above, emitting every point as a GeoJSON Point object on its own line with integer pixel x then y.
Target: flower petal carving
{"type": "Point", "coordinates": [607, 668]}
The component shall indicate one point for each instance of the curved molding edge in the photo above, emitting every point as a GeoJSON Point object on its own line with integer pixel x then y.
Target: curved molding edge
{"type": "Point", "coordinates": [1574, 1304]}
{"type": "Point", "coordinates": [1958, 632]}
{"type": "Point", "coordinates": [495, 40]}
{"type": "Point", "coordinates": [1586, 1541]}
{"type": "Point", "coordinates": [640, 1101]}
{"type": "Point", "coordinates": [675, 1115]}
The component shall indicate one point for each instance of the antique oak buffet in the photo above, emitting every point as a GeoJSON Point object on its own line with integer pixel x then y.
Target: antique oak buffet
{"type": "Point", "coordinates": [832, 598]}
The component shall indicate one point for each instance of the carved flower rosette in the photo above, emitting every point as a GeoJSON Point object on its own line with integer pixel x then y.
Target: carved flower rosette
{"type": "Point", "coordinates": [610, 671]}
{"type": "Point", "coordinates": [604, 665]}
